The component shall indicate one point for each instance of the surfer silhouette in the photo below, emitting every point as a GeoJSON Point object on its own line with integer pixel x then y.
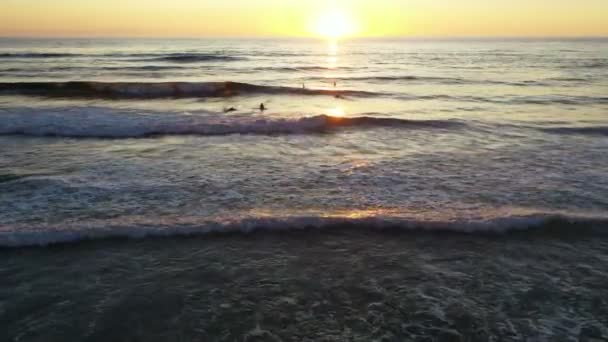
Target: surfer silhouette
{"type": "Point", "coordinates": [262, 107]}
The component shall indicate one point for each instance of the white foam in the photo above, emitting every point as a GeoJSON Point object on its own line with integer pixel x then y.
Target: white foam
{"type": "Point", "coordinates": [142, 227]}
{"type": "Point", "coordinates": [108, 123]}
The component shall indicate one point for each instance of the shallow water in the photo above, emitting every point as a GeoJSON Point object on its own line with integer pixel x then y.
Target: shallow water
{"type": "Point", "coordinates": [337, 285]}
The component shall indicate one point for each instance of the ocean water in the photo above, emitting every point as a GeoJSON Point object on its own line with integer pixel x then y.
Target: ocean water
{"type": "Point", "coordinates": [408, 173]}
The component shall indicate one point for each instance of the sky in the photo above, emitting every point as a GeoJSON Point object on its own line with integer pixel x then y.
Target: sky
{"type": "Point", "coordinates": [269, 18]}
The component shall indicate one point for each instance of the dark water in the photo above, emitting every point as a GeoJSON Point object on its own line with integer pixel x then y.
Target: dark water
{"type": "Point", "coordinates": [486, 159]}
{"type": "Point", "coordinates": [336, 285]}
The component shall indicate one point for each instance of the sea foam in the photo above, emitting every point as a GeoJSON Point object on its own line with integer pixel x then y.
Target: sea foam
{"type": "Point", "coordinates": [99, 122]}
{"type": "Point", "coordinates": [139, 227]}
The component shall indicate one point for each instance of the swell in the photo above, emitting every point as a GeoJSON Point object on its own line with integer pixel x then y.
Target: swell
{"type": "Point", "coordinates": [556, 99]}
{"type": "Point", "coordinates": [143, 68]}
{"type": "Point", "coordinates": [544, 223]}
{"type": "Point", "coordinates": [105, 123]}
{"type": "Point", "coordinates": [95, 68]}
{"type": "Point", "coordinates": [440, 80]}
{"type": "Point", "coordinates": [193, 58]}
{"type": "Point", "coordinates": [37, 55]}
{"type": "Point", "coordinates": [589, 131]}
{"type": "Point", "coordinates": [160, 89]}
{"type": "Point", "coordinates": [599, 63]}
{"type": "Point", "coordinates": [308, 68]}
{"type": "Point", "coordinates": [166, 57]}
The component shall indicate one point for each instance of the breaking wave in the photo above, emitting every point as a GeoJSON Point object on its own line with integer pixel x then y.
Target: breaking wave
{"type": "Point", "coordinates": [105, 123]}
{"type": "Point", "coordinates": [137, 227]}
{"type": "Point", "coordinates": [161, 89]}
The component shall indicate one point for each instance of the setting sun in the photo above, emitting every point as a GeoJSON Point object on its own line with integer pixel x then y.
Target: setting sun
{"type": "Point", "coordinates": [333, 24]}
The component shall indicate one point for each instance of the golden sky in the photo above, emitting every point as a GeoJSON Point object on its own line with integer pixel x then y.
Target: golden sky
{"type": "Point", "coordinates": [251, 18]}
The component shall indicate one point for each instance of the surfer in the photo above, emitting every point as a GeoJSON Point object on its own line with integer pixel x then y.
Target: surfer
{"type": "Point", "coordinates": [262, 107]}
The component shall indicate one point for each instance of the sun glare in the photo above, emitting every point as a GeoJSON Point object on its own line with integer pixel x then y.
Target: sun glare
{"type": "Point", "coordinates": [334, 24]}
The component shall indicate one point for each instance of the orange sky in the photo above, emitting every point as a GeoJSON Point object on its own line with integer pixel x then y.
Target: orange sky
{"type": "Point", "coordinates": [194, 18]}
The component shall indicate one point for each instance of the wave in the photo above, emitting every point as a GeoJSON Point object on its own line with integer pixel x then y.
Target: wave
{"type": "Point", "coordinates": [142, 68]}
{"type": "Point", "coordinates": [106, 123]}
{"type": "Point", "coordinates": [588, 64]}
{"type": "Point", "coordinates": [193, 57]}
{"type": "Point", "coordinates": [138, 228]}
{"type": "Point", "coordinates": [9, 177]}
{"type": "Point", "coordinates": [308, 68]}
{"type": "Point", "coordinates": [161, 89]}
{"type": "Point", "coordinates": [35, 71]}
{"type": "Point", "coordinates": [169, 57]}
{"type": "Point", "coordinates": [593, 131]}
{"type": "Point", "coordinates": [513, 99]}
{"type": "Point", "coordinates": [37, 55]}
{"type": "Point", "coordinates": [442, 80]}
{"type": "Point", "coordinates": [569, 79]}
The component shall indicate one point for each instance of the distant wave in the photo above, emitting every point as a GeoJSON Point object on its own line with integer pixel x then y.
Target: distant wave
{"type": "Point", "coordinates": [138, 228]}
{"type": "Point", "coordinates": [142, 68]}
{"type": "Point", "coordinates": [514, 99]}
{"type": "Point", "coordinates": [193, 57]}
{"type": "Point", "coordinates": [598, 63]}
{"type": "Point", "coordinates": [168, 57]}
{"type": "Point", "coordinates": [441, 80]}
{"type": "Point", "coordinates": [37, 55]}
{"type": "Point", "coordinates": [106, 123]}
{"type": "Point", "coordinates": [306, 68]}
{"type": "Point", "coordinates": [596, 130]}
{"type": "Point", "coordinates": [160, 90]}
{"type": "Point", "coordinates": [569, 79]}
{"type": "Point", "coordinates": [554, 99]}
{"type": "Point", "coordinates": [34, 70]}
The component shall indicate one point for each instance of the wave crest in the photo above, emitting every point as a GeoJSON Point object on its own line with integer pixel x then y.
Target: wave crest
{"type": "Point", "coordinates": [37, 55]}
{"type": "Point", "coordinates": [194, 57]}
{"type": "Point", "coordinates": [160, 89]}
{"type": "Point", "coordinates": [137, 227]}
{"type": "Point", "coordinates": [106, 123]}
{"type": "Point", "coordinates": [595, 131]}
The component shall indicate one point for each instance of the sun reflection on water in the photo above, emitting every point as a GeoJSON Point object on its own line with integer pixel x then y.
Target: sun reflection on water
{"type": "Point", "coordinates": [333, 51]}
{"type": "Point", "coordinates": [336, 111]}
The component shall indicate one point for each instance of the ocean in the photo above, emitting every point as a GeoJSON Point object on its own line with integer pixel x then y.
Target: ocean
{"type": "Point", "coordinates": [388, 190]}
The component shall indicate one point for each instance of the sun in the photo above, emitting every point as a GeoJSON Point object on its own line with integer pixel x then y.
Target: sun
{"type": "Point", "coordinates": [333, 24]}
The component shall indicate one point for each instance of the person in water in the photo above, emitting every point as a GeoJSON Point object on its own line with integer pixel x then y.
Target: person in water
{"type": "Point", "coordinates": [262, 107]}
